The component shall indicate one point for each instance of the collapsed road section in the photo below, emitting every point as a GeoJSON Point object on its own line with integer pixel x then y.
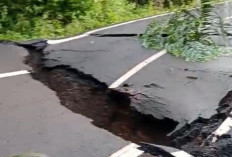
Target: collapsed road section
{"type": "Point", "coordinates": [167, 96]}
{"type": "Point", "coordinates": [32, 119]}
{"type": "Point", "coordinates": [109, 109]}
{"type": "Point", "coordinates": [116, 109]}
{"type": "Point", "coordinates": [167, 88]}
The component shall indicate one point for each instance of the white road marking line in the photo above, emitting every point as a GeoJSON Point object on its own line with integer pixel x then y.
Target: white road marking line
{"type": "Point", "coordinates": [128, 150]}
{"type": "Point", "coordinates": [52, 42]}
{"type": "Point", "coordinates": [228, 18]}
{"type": "Point", "coordinates": [58, 41]}
{"type": "Point", "coordinates": [132, 150]}
{"type": "Point", "coordinates": [223, 128]}
{"type": "Point", "coordinates": [16, 73]}
{"type": "Point", "coordinates": [181, 154]}
{"type": "Point", "coordinates": [137, 68]}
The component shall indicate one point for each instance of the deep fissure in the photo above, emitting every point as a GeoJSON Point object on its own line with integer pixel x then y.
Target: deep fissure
{"type": "Point", "coordinates": [112, 110]}
{"type": "Point", "coordinates": [109, 109]}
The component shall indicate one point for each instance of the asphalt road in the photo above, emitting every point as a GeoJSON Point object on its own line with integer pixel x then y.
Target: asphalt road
{"type": "Point", "coordinates": [180, 90]}
{"type": "Point", "coordinates": [105, 58]}
{"type": "Point", "coordinates": [32, 119]}
{"type": "Point", "coordinates": [11, 62]}
{"type": "Point", "coordinates": [167, 88]}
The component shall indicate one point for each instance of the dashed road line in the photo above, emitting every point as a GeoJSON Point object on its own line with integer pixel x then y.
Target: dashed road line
{"type": "Point", "coordinates": [16, 73]}
{"type": "Point", "coordinates": [137, 68]}
{"type": "Point", "coordinates": [132, 150]}
{"type": "Point", "coordinates": [224, 128]}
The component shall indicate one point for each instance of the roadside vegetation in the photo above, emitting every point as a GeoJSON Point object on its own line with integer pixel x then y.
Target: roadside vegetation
{"type": "Point", "coordinates": [191, 35]}
{"type": "Point", "coordinates": [33, 19]}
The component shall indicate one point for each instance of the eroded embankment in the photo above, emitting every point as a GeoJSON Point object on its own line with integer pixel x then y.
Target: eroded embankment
{"type": "Point", "coordinates": [109, 109]}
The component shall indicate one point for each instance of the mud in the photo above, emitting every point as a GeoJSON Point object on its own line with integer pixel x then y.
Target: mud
{"type": "Point", "coordinates": [108, 109]}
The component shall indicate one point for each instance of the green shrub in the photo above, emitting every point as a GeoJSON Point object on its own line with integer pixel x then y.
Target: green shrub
{"type": "Point", "coordinates": [190, 36]}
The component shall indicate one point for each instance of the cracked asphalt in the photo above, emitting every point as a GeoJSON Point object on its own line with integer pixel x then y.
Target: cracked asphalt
{"type": "Point", "coordinates": [32, 119]}
{"type": "Point", "coordinates": [168, 89]}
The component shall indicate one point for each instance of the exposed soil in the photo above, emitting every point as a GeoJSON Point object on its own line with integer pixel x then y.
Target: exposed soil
{"type": "Point", "coordinates": [108, 109]}
{"type": "Point", "coordinates": [111, 110]}
{"type": "Point", "coordinates": [196, 138]}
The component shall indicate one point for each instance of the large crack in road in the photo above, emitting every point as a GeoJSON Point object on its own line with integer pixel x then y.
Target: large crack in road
{"type": "Point", "coordinates": [112, 110]}
{"type": "Point", "coordinates": [167, 93]}
{"type": "Point", "coordinates": [109, 109]}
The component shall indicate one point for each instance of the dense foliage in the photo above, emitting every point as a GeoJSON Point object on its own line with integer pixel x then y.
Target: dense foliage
{"type": "Point", "coordinates": [36, 17]}
{"type": "Point", "coordinates": [27, 19]}
{"type": "Point", "coordinates": [191, 36]}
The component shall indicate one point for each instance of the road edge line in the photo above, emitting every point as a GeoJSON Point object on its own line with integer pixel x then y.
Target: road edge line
{"type": "Point", "coordinates": [58, 41]}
